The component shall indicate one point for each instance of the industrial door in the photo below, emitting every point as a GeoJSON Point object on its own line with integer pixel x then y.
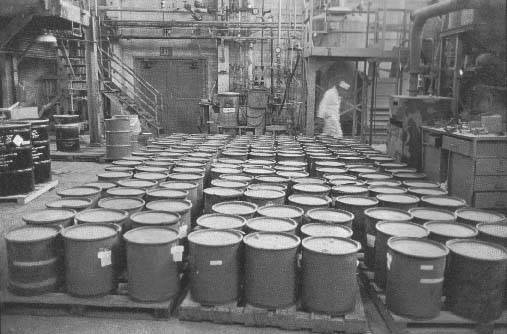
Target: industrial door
{"type": "Point", "coordinates": [182, 82]}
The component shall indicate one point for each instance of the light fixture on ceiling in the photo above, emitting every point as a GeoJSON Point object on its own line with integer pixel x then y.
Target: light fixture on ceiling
{"type": "Point", "coordinates": [47, 38]}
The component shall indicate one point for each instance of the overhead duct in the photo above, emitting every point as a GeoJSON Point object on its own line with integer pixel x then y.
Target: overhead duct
{"type": "Point", "coordinates": [420, 16]}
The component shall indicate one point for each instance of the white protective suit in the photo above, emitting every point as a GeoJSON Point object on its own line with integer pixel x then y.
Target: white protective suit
{"type": "Point", "coordinates": [329, 110]}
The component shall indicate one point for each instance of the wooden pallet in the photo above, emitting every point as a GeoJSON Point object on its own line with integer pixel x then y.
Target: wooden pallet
{"type": "Point", "coordinates": [403, 325]}
{"type": "Point", "coordinates": [85, 154]}
{"type": "Point", "coordinates": [291, 318]}
{"type": "Point", "coordinates": [40, 189]}
{"type": "Point", "coordinates": [112, 305]}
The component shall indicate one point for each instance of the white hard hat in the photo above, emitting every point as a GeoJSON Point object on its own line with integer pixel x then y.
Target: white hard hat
{"type": "Point", "coordinates": [344, 85]}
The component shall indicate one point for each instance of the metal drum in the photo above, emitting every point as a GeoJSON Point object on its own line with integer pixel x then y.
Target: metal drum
{"type": "Point", "coordinates": [34, 259]}
{"type": "Point", "coordinates": [282, 211]}
{"type": "Point", "coordinates": [329, 282]}
{"type": "Point", "coordinates": [90, 192]}
{"type": "Point", "coordinates": [239, 208]}
{"type": "Point", "coordinates": [130, 205]}
{"type": "Point", "coordinates": [104, 186]}
{"type": "Point", "coordinates": [219, 221]}
{"type": "Point", "coordinates": [91, 253]}
{"type": "Point", "coordinates": [76, 204]}
{"type": "Point", "coordinates": [163, 193]}
{"type": "Point", "coordinates": [67, 137]}
{"type": "Point", "coordinates": [386, 230]}
{"type": "Point", "coordinates": [155, 218]}
{"type": "Point", "coordinates": [373, 216]}
{"type": "Point", "coordinates": [114, 177]}
{"type": "Point", "coordinates": [325, 230]}
{"type": "Point", "coordinates": [16, 161]}
{"type": "Point", "coordinates": [197, 178]}
{"type": "Point", "coordinates": [349, 190]}
{"type": "Point", "coordinates": [191, 187]}
{"type": "Point", "coordinates": [356, 205]}
{"type": "Point", "coordinates": [398, 201]}
{"type": "Point", "coordinates": [134, 128]}
{"type": "Point", "coordinates": [56, 217]}
{"type": "Point", "coordinates": [492, 232]}
{"type": "Point", "coordinates": [238, 185]}
{"type": "Point", "coordinates": [307, 202]}
{"type": "Point", "coordinates": [152, 273]}
{"type": "Point", "coordinates": [228, 108]}
{"type": "Point", "coordinates": [216, 195]}
{"type": "Point", "coordinates": [420, 192]}
{"type": "Point", "coordinates": [137, 183]}
{"type": "Point", "coordinates": [126, 192]}
{"type": "Point", "coordinates": [262, 197]}
{"type": "Point", "coordinates": [472, 216]}
{"type": "Point", "coordinates": [422, 215]}
{"type": "Point", "coordinates": [311, 189]}
{"type": "Point", "coordinates": [410, 291]}
{"type": "Point", "coordinates": [41, 154]}
{"type": "Point", "coordinates": [215, 261]}
{"type": "Point", "coordinates": [182, 207]}
{"type": "Point", "coordinates": [66, 119]}
{"type": "Point", "coordinates": [377, 190]}
{"type": "Point", "coordinates": [117, 138]}
{"type": "Point", "coordinates": [270, 269]}
{"type": "Point", "coordinates": [329, 216]}
{"type": "Point", "coordinates": [270, 224]}
{"type": "Point", "coordinates": [449, 203]}
{"type": "Point", "coordinates": [476, 280]}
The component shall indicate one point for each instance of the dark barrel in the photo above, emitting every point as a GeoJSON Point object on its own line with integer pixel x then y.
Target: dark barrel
{"type": "Point", "coordinates": [67, 137]}
{"type": "Point", "coordinates": [476, 280]}
{"type": "Point", "coordinates": [16, 162]}
{"type": "Point", "coordinates": [57, 217]}
{"type": "Point", "coordinates": [270, 269]}
{"type": "Point", "coordinates": [90, 255]}
{"type": "Point", "coordinates": [214, 260]}
{"type": "Point", "coordinates": [385, 230]}
{"type": "Point", "coordinates": [329, 275]}
{"type": "Point", "coordinates": [41, 154]}
{"type": "Point", "coordinates": [415, 276]}
{"type": "Point", "coordinates": [34, 259]}
{"type": "Point", "coordinates": [152, 272]}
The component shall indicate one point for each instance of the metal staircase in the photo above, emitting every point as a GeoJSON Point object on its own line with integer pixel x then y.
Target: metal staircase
{"type": "Point", "coordinates": [72, 54]}
{"type": "Point", "coordinates": [120, 84]}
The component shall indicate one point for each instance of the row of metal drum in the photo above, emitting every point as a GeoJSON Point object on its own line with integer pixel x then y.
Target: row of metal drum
{"type": "Point", "coordinates": [24, 156]}
{"type": "Point", "coordinates": [193, 165]}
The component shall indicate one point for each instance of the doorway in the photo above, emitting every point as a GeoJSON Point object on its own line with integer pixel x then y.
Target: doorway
{"type": "Point", "coordinates": [182, 83]}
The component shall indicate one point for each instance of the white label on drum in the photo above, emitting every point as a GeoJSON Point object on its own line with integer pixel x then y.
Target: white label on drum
{"type": "Point", "coordinates": [370, 240]}
{"type": "Point", "coordinates": [427, 267]}
{"type": "Point", "coordinates": [215, 263]}
{"type": "Point", "coordinates": [431, 280]}
{"type": "Point", "coordinates": [105, 257]}
{"type": "Point", "coordinates": [17, 140]}
{"type": "Point", "coordinates": [177, 252]}
{"type": "Point", "coordinates": [228, 110]}
{"type": "Point", "coordinates": [183, 231]}
{"type": "Point", "coordinates": [389, 260]}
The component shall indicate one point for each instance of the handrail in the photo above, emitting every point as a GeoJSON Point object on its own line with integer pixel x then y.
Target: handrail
{"type": "Point", "coordinates": [119, 73]}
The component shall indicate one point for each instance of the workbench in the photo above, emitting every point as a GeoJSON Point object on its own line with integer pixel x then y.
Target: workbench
{"type": "Point", "coordinates": [476, 165]}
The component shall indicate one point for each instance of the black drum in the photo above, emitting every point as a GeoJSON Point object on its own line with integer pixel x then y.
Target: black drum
{"type": "Point", "coordinates": [16, 162]}
{"type": "Point", "coordinates": [67, 137]}
{"type": "Point", "coordinates": [66, 119]}
{"type": "Point", "coordinates": [41, 154]}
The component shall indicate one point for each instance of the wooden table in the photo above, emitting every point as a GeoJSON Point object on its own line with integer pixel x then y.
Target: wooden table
{"type": "Point", "coordinates": [477, 167]}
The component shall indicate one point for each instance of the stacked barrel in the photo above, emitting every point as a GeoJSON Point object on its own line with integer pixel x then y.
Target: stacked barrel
{"type": "Point", "coordinates": [277, 220]}
{"type": "Point", "coordinates": [16, 160]}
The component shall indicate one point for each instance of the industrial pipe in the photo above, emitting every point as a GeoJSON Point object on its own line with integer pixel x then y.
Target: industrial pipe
{"type": "Point", "coordinates": [420, 16]}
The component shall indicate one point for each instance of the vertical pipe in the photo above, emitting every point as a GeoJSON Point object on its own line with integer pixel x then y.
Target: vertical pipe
{"type": "Point", "coordinates": [372, 101]}
{"type": "Point", "coordinates": [279, 23]}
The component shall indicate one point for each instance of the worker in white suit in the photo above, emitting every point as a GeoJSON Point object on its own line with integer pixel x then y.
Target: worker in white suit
{"type": "Point", "coordinates": [328, 114]}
